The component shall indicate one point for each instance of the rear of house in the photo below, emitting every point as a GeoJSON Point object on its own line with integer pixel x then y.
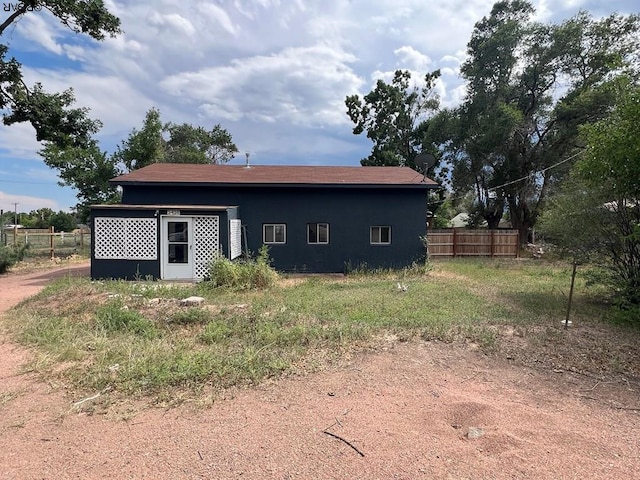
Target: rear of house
{"type": "Point", "coordinates": [174, 218]}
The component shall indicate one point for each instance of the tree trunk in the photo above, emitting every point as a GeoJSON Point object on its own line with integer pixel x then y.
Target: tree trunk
{"type": "Point", "coordinates": [520, 220]}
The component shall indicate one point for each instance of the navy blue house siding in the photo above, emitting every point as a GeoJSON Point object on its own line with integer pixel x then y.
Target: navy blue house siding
{"type": "Point", "coordinates": [134, 269]}
{"type": "Point", "coordinates": [349, 211]}
{"type": "Point", "coordinates": [119, 268]}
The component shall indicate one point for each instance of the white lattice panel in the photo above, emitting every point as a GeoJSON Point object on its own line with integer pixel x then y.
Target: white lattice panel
{"type": "Point", "coordinates": [110, 238]}
{"type": "Point", "coordinates": [235, 238]}
{"type": "Point", "coordinates": [142, 239]}
{"type": "Point", "coordinates": [206, 238]}
{"type": "Point", "coordinates": [119, 238]}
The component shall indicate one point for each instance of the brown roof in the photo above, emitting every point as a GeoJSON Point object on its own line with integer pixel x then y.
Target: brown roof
{"type": "Point", "coordinates": [272, 174]}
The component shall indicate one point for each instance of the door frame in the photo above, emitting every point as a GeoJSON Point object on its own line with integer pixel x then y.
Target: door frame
{"type": "Point", "coordinates": [170, 271]}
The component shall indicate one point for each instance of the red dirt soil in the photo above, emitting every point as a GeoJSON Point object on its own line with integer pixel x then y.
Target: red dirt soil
{"type": "Point", "coordinates": [408, 408]}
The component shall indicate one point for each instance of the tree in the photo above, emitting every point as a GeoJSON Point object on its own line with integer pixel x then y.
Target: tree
{"type": "Point", "coordinates": [86, 168]}
{"type": "Point", "coordinates": [45, 218]}
{"type": "Point", "coordinates": [40, 218]}
{"type": "Point", "coordinates": [508, 138]}
{"type": "Point", "coordinates": [189, 144]}
{"type": "Point", "coordinates": [173, 143]}
{"type": "Point", "coordinates": [394, 118]}
{"type": "Point", "coordinates": [596, 215]}
{"type": "Point", "coordinates": [51, 115]}
{"type": "Point", "coordinates": [143, 147]}
{"type": "Point", "coordinates": [63, 221]}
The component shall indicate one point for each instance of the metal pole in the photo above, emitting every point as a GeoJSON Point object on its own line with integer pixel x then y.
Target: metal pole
{"type": "Point", "coordinates": [52, 241]}
{"type": "Point", "coordinates": [573, 280]}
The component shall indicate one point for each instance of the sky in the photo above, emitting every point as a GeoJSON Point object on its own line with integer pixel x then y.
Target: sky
{"type": "Point", "coordinates": [274, 73]}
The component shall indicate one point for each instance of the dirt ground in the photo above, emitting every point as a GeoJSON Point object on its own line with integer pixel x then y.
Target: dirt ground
{"type": "Point", "coordinates": [407, 411]}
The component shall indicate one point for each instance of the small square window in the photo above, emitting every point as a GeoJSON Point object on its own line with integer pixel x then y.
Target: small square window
{"type": "Point", "coordinates": [318, 233]}
{"type": "Point", "coordinates": [380, 235]}
{"type": "Point", "coordinates": [274, 233]}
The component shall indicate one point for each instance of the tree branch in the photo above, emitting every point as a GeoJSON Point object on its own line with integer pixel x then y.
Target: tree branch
{"type": "Point", "coordinates": [13, 16]}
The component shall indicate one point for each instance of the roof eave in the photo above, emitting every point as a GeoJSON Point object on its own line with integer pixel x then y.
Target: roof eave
{"type": "Point", "coordinates": [278, 185]}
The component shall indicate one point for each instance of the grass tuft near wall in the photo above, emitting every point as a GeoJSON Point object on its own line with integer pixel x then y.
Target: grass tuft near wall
{"type": "Point", "coordinates": [242, 274]}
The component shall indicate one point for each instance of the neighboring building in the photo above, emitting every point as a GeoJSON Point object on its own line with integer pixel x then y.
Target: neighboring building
{"type": "Point", "coordinates": [461, 220]}
{"type": "Point", "coordinates": [174, 218]}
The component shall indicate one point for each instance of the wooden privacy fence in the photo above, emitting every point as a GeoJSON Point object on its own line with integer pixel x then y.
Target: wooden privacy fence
{"type": "Point", "coordinates": [478, 243]}
{"type": "Point", "coordinates": [46, 239]}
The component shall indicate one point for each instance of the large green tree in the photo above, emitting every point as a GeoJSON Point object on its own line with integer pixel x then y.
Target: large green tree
{"type": "Point", "coordinates": [530, 87]}
{"type": "Point", "coordinates": [189, 144]}
{"type": "Point", "coordinates": [143, 147]}
{"type": "Point", "coordinates": [51, 114]}
{"type": "Point", "coordinates": [596, 215]}
{"type": "Point", "coordinates": [156, 142]}
{"type": "Point", "coordinates": [86, 168]}
{"type": "Point", "coordinates": [394, 116]}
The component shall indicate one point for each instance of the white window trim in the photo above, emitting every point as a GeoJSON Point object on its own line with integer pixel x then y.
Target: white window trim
{"type": "Point", "coordinates": [380, 235]}
{"type": "Point", "coordinates": [318, 233]}
{"type": "Point", "coordinates": [264, 233]}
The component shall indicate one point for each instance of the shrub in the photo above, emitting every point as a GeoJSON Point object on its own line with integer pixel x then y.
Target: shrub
{"type": "Point", "coordinates": [9, 256]}
{"type": "Point", "coordinates": [243, 274]}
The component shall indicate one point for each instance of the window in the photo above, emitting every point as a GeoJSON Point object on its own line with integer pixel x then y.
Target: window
{"type": "Point", "coordinates": [380, 235]}
{"type": "Point", "coordinates": [317, 233]}
{"type": "Point", "coordinates": [274, 233]}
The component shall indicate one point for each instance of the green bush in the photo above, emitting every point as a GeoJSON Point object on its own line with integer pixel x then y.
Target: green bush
{"type": "Point", "coordinates": [9, 256]}
{"type": "Point", "coordinates": [243, 274]}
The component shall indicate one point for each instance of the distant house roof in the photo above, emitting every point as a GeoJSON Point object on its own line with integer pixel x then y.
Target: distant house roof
{"type": "Point", "coordinates": [180, 173]}
{"type": "Point", "coordinates": [461, 220]}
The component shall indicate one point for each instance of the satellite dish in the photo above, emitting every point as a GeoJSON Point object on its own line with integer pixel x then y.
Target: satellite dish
{"type": "Point", "coordinates": [424, 162]}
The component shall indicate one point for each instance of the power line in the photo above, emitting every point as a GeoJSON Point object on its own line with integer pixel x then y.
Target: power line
{"type": "Point", "coordinates": [513, 181]}
{"type": "Point", "coordinates": [539, 171]}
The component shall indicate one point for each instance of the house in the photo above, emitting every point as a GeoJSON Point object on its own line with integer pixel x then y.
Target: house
{"type": "Point", "coordinates": [174, 218]}
{"type": "Point", "coordinates": [461, 220]}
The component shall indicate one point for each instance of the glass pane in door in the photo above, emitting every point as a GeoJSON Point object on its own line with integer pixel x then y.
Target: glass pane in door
{"type": "Point", "coordinates": [178, 253]}
{"type": "Point", "coordinates": [178, 242]}
{"type": "Point", "coordinates": [178, 231]}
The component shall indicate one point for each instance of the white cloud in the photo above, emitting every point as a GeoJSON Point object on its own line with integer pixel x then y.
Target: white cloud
{"type": "Point", "coordinates": [219, 16]}
{"type": "Point", "coordinates": [19, 141]}
{"type": "Point", "coordinates": [171, 24]}
{"type": "Point", "coordinates": [27, 203]}
{"type": "Point", "coordinates": [304, 85]}
{"type": "Point", "coordinates": [39, 31]}
{"type": "Point", "coordinates": [112, 100]}
{"type": "Point", "coordinates": [413, 58]}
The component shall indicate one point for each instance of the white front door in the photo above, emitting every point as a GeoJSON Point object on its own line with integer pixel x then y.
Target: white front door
{"type": "Point", "coordinates": [177, 248]}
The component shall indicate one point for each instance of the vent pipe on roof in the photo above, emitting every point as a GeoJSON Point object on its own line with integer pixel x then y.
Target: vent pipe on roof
{"type": "Point", "coordinates": [246, 154]}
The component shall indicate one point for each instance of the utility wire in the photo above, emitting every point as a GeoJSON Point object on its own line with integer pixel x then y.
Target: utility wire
{"type": "Point", "coordinates": [512, 181]}
{"type": "Point", "coordinates": [539, 171]}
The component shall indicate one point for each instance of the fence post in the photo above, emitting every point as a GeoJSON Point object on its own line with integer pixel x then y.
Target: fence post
{"type": "Point", "coordinates": [51, 241]}
{"type": "Point", "coordinates": [492, 233]}
{"type": "Point", "coordinates": [454, 242]}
